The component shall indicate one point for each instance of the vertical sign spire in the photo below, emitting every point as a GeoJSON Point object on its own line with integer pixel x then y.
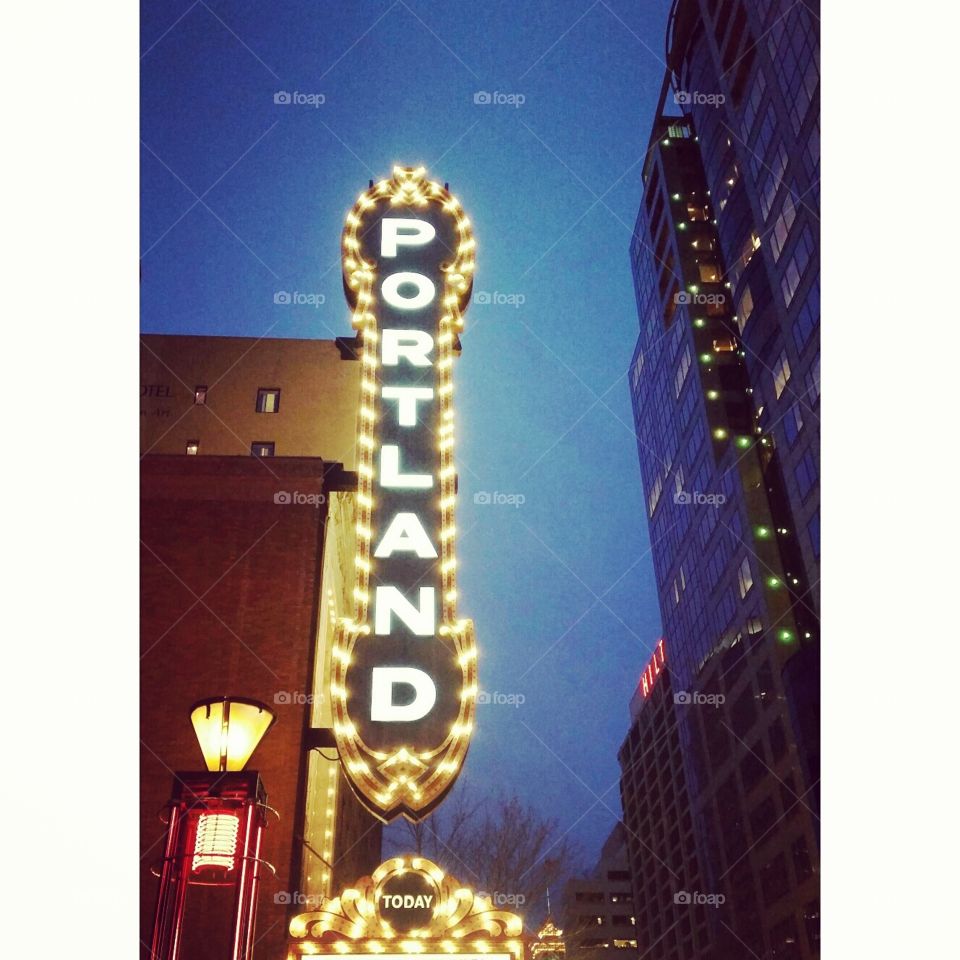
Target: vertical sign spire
{"type": "Point", "coordinates": [404, 673]}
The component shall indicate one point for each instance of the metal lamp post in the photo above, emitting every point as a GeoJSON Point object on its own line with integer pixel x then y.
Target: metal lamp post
{"type": "Point", "coordinates": [215, 825]}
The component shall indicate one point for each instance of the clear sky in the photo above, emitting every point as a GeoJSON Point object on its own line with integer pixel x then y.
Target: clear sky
{"type": "Point", "coordinates": [244, 197]}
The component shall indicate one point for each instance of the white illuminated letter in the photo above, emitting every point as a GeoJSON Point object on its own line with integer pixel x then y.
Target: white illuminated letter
{"type": "Point", "coordinates": [420, 620]}
{"type": "Point", "coordinates": [390, 288]}
{"type": "Point", "coordinates": [412, 345]}
{"type": "Point", "coordinates": [406, 535]}
{"type": "Point", "coordinates": [391, 236]}
{"type": "Point", "coordinates": [407, 406]}
{"type": "Point", "coordinates": [390, 475]}
{"type": "Point", "coordinates": [382, 707]}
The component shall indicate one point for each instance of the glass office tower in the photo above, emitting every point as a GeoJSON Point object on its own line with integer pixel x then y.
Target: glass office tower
{"type": "Point", "coordinates": [725, 389]}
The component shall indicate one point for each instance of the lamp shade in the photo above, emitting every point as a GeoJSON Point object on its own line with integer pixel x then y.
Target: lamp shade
{"type": "Point", "coordinates": [229, 730]}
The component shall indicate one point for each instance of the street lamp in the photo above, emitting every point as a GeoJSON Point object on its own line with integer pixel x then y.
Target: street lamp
{"type": "Point", "coordinates": [215, 825]}
{"type": "Point", "coordinates": [229, 729]}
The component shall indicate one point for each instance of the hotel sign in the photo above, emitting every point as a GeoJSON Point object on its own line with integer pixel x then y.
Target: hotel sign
{"type": "Point", "coordinates": [652, 670]}
{"type": "Point", "coordinates": [403, 684]}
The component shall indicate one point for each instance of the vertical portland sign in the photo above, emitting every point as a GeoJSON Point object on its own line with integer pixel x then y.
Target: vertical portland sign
{"type": "Point", "coordinates": [404, 677]}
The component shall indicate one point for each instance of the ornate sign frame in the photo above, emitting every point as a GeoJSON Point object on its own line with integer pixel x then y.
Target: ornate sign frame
{"type": "Point", "coordinates": [395, 770]}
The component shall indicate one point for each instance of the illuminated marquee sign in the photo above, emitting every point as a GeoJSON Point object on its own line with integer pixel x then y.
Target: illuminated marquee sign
{"type": "Point", "coordinates": [404, 678]}
{"type": "Point", "coordinates": [408, 906]}
{"type": "Point", "coordinates": [652, 669]}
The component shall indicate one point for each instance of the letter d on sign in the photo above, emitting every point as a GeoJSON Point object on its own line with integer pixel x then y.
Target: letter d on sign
{"type": "Point", "coordinates": [382, 707]}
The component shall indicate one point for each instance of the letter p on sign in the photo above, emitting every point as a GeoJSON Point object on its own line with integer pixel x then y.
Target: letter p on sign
{"type": "Point", "coordinates": [403, 232]}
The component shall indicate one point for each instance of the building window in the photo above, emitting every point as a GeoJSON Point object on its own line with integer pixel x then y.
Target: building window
{"type": "Point", "coordinates": [813, 530]}
{"type": "Point", "coordinates": [268, 400]}
{"type": "Point", "coordinates": [794, 271]}
{"type": "Point", "coordinates": [200, 395]}
{"type": "Point", "coordinates": [793, 424]}
{"type": "Point", "coordinates": [655, 492]}
{"type": "Point", "coordinates": [806, 474]}
{"type": "Point", "coordinates": [813, 381]}
{"type": "Point", "coordinates": [781, 373]}
{"type": "Point", "coordinates": [262, 448]}
{"type": "Point", "coordinates": [781, 229]}
{"type": "Point", "coordinates": [709, 272]}
{"type": "Point", "coordinates": [682, 370]}
{"type": "Point", "coordinates": [745, 577]}
{"type": "Point", "coordinates": [746, 308]}
{"type": "Point", "coordinates": [774, 179]}
{"type": "Point", "coordinates": [637, 370]}
{"type": "Point", "coordinates": [808, 318]}
{"type": "Point", "coordinates": [193, 448]}
{"type": "Point", "coordinates": [696, 211]}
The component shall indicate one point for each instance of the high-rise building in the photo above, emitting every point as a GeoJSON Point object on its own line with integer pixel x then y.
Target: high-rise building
{"type": "Point", "coordinates": [247, 546]}
{"type": "Point", "coordinates": [725, 389]}
{"type": "Point", "coordinates": [599, 910]}
{"type": "Point", "coordinates": [747, 74]}
{"type": "Point", "coordinates": [659, 825]}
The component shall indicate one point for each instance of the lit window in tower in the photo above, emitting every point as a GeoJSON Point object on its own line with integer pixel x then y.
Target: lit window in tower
{"type": "Point", "coordinates": [216, 842]}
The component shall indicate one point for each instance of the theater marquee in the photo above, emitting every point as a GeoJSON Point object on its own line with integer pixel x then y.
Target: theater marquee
{"type": "Point", "coordinates": [408, 907]}
{"type": "Point", "coordinates": [404, 673]}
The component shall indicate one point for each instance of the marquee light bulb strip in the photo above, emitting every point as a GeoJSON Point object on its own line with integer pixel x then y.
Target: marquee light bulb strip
{"type": "Point", "coordinates": [462, 921]}
{"type": "Point", "coordinates": [404, 779]}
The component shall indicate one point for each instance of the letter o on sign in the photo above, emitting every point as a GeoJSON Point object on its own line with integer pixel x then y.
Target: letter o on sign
{"type": "Point", "coordinates": [392, 285]}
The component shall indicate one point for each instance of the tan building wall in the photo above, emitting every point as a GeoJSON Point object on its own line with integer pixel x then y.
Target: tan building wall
{"type": "Point", "coordinates": [318, 396]}
{"type": "Point", "coordinates": [240, 591]}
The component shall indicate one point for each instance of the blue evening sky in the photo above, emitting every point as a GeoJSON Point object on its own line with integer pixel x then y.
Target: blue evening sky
{"type": "Point", "coordinates": [243, 197]}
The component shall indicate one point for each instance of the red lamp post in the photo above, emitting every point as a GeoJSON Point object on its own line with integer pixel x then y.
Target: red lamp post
{"type": "Point", "coordinates": [215, 826]}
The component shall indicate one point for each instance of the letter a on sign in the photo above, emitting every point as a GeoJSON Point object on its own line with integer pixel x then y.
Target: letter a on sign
{"type": "Point", "coordinates": [404, 666]}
